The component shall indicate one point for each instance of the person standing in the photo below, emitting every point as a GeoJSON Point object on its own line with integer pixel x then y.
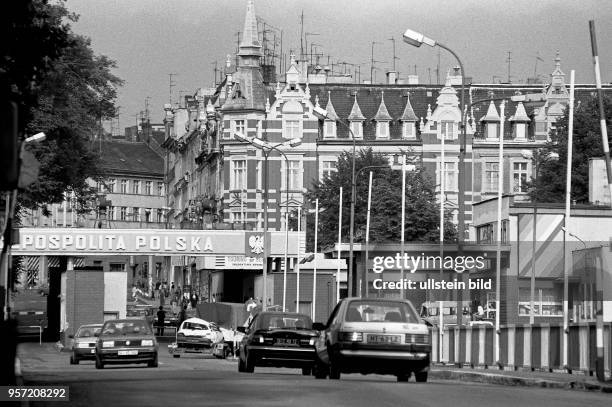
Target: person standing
{"type": "Point", "coordinates": [182, 316]}
{"type": "Point", "coordinates": [161, 319]}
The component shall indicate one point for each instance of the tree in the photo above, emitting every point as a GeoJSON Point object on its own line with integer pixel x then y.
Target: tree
{"type": "Point", "coordinates": [422, 211]}
{"type": "Point", "coordinates": [586, 144]}
{"type": "Point", "coordinates": [62, 89]}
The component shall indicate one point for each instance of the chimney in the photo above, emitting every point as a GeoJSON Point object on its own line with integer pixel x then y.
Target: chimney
{"type": "Point", "coordinates": [391, 78]}
{"type": "Point", "coordinates": [413, 79]}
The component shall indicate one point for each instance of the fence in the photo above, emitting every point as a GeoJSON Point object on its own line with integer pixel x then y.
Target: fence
{"type": "Point", "coordinates": [537, 347]}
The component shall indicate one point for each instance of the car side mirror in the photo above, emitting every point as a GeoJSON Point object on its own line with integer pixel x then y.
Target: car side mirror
{"type": "Point", "coordinates": [241, 329]}
{"type": "Point", "coordinates": [318, 326]}
{"type": "Point", "coordinates": [71, 336]}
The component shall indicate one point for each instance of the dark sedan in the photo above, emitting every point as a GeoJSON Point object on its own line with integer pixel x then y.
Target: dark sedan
{"type": "Point", "coordinates": [84, 343]}
{"type": "Point", "coordinates": [278, 339]}
{"type": "Point", "coordinates": [126, 341]}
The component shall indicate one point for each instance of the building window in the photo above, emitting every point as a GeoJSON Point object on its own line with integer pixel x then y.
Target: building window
{"type": "Point", "coordinates": [123, 213]}
{"type": "Point", "coordinates": [357, 128]}
{"type": "Point", "coordinates": [491, 175]}
{"type": "Point", "coordinates": [447, 130]}
{"type": "Point", "coordinates": [136, 215]}
{"type": "Point", "coordinates": [382, 130]}
{"type": "Point", "coordinates": [330, 129]}
{"type": "Point", "coordinates": [116, 266]}
{"type": "Point", "coordinates": [519, 177]}
{"type": "Point", "coordinates": [110, 213]}
{"type": "Point", "coordinates": [236, 217]}
{"type": "Point", "coordinates": [295, 175]}
{"type": "Point", "coordinates": [111, 185]}
{"type": "Point", "coordinates": [160, 215]}
{"type": "Point", "coordinates": [238, 127]}
{"type": "Point", "coordinates": [484, 234]}
{"type": "Point", "coordinates": [327, 168]}
{"type": "Point", "coordinates": [160, 188]}
{"type": "Point", "coordinates": [546, 303]}
{"type": "Point", "coordinates": [136, 187]}
{"type": "Point", "coordinates": [238, 180]}
{"type": "Point", "coordinates": [408, 130]}
{"type": "Point", "coordinates": [147, 213]}
{"type": "Point", "coordinates": [291, 128]}
{"type": "Point", "coordinates": [148, 188]}
{"type": "Point", "coordinates": [124, 186]}
{"type": "Point", "coordinates": [450, 174]}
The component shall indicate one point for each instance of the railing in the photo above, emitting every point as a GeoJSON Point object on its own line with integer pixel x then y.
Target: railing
{"type": "Point", "coordinates": [40, 329]}
{"type": "Point", "coordinates": [537, 347]}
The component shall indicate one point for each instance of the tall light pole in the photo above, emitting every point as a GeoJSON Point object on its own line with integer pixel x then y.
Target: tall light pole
{"type": "Point", "coordinates": [266, 148]}
{"type": "Point", "coordinates": [417, 39]}
{"type": "Point", "coordinates": [350, 277]}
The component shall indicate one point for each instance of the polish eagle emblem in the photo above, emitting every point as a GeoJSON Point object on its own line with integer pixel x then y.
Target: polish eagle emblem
{"type": "Point", "coordinates": [257, 244]}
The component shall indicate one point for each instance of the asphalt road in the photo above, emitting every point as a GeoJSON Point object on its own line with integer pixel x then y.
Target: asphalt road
{"type": "Point", "coordinates": [196, 380]}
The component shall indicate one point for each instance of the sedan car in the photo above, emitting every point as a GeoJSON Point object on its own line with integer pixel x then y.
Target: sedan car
{"type": "Point", "coordinates": [126, 341]}
{"type": "Point", "coordinates": [196, 335]}
{"type": "Point", "coordinates": [84, 343]}
{"type": "Point", "coordinates": [279, 339]}
{"type": "Point", "coordinates": [383, 336]}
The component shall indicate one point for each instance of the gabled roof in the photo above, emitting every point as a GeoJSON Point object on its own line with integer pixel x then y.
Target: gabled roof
{"type": "Point", "coordinates": [492, 115]}
{"type": "Point", "coordinates": [129, 157]}
{"type": "Point", "coordinates": [520, 115]}
{"type": "Point", "coordinates": [356, 111]}
{"type": "Point", "coordinates": [382, 114]}
{"type": "Point", "coordinates": [331, 112]}
{"type": "Point", "coordinates": [408, 114]}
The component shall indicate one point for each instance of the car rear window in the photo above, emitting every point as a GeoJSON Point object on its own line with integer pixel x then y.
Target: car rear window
{"type": "Point", "coordinates": [380, 311]}
{"type": "Point", "coordinates": [195, 326]}
{"type": "Point", "coordinates": [286, 322]}
{"type": "Point", "coordinates": [136, 327]}
{"type": "Point", "coordinates": [88, 331]}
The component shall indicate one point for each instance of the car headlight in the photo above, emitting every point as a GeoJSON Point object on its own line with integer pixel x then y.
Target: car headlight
{"type": "Point", "coordinates": [108, 344]}
{"type": "Point", "coordinates": [259, 339]}
{"type": "Point", "coordinates": [350, 336]}
{"type": "Point", "coordinates": [312, 341]}
{"type": "Point", "coordinates": [82, 345]}
{"type": "Point", "coordinates": [147, 342]}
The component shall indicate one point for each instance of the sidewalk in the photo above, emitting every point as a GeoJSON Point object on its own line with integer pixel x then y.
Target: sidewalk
{"type": "Point", "coordinates": [521, 378]}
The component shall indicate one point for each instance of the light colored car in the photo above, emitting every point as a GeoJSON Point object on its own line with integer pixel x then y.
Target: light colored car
{"type": "Point", "coordinates": [126, 341]}
{"type": "Point", "coordinates": [196, 335]}
{"type": "Point", "coordinates": [84, 343]}
{"type": "Point", "coordinates": [382, 336]}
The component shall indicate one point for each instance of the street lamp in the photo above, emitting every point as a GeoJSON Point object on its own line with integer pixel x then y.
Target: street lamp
{"type": "Point", "coordinates": [323, 113]}
{"type": "Point", "coordinates": [528, 154]}
{"type": "Point", "coordinates": [416, 39]}
{"type": "Point", "coordinates": [266, 149]}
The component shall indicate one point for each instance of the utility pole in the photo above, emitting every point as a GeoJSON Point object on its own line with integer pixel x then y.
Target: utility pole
{"type": "Point", "coordinates": [237, 46]}
{"type": "Point", "coordinates": [171, 85]}
{"type": "Point", "coordinates": [372, 63]}
{"type": "Point", "coordinates": [302, 35]}
{"type": "Point", "coordinates": [429, 73]}
{"type": "Point", "coordinates": [438, 69]}
{"type": "Point", "coordinates": [394, 57]}
{"type": "Point", "coordinates": [509, 61]}
{"type": "Point", "coordinates": [215, 70]}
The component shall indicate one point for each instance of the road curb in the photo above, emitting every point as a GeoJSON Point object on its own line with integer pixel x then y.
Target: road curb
{"type": "Point", "coordinates": [505, 380]}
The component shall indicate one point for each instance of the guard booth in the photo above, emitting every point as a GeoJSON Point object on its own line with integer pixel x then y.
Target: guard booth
{"type": "Point", "coordinates": [86, 270]}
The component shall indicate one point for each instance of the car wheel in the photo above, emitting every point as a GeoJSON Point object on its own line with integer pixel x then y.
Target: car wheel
{"type": "Point", "coordinates": [99, 363]}
{"type": "Point", "coordinates": [74, 360]}
{"type": "Point", "coordinates": [320, 370]}
{"type": "Point", "coordinates": [154, 362]}
{"type": "Point", "coordinates": [306, 371]}
{"type": "Point", "coordinates": [421, 377]}
{"type": "Point", "coordinates": [176, 355]}
{"type": "Point", "coordinates": [334, 371]}
{"type": "Point", "coordinates": [241, 365]}
{"type": "Point", "coordinates": [403, 377]}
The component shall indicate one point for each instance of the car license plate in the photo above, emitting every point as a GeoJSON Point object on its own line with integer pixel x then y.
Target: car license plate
{"type": "Point", "coordinates": [128, 352]}
{"type": "Point", "coordinates": [384, 338]}
{"type": "Point", "coordinates": [285, 341]}
{"type": "Point", "coordinates": [93, 351]}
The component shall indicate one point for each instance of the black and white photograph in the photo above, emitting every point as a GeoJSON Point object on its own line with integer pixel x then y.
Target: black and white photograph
{"type": "Point", "coordinates": [305, 203]}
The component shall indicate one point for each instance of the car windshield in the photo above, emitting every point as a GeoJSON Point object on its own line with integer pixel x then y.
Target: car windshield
{"type": "Point", "coordinates": [380, 311]}
{"type": "Point", "coordinates": [280, 321]}
{"type": "Point", "coordinates": [136, 327]}
{"type": "Point", "coordinates": [88, 331]}
{"type": "Point", "coordinates": [195, 326]}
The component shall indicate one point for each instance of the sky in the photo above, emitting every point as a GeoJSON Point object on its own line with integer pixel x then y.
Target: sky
{"type": "Point", "coordinates": [150, 39]}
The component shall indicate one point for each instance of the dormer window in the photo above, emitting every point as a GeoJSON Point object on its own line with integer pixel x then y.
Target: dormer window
{"type": "Point", "coordinates": [382, 130]}
{"type": "Point", "coordinates": [491, 130]}
{"type": "Point", "coordinates": [330, 129]}
{"type": "Point", "coordinates": [447, 130]}
{"type": "Point", "coordinates": [292, 128]}
{"type": "Point", "coordinates": [408, 130]}
{"type": "Point", "coordinates": [357, 129]}
{"type": "Point", "coordinates": [238, 126]}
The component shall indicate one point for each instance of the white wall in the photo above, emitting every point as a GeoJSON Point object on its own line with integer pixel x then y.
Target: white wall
{"type": "Point", "coordinates": [115, 292]}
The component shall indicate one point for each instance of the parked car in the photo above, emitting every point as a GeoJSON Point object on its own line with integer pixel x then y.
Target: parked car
{"type": "Point", "coordinates": [196, 335]}
{"type": "Point", "coordinates": [84, 343]}
{"type": "Point", "coordinates": [279, 339]}
{"type": "Point", "coordinates": [126, 341]}
{"type": "Point", "coordinates": [382, 336]}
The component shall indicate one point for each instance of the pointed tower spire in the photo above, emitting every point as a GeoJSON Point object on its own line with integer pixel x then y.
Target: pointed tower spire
{"type": "Point", "coordinates": [250, 45]}
{"type": "Point", "coordinates": [382, 114]}
{"type": "Point", "coordinates": [356, 114]}
{"type": "Point", "coordinates": [331, 112]}
{"type": "Point", "coordinates": [408, 114]}
{"type": "Point", "coordinates": [492, 115]}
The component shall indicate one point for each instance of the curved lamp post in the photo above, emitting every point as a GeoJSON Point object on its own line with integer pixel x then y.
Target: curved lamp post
{"type": "Point", "coordinates": [266, 149]}
{"type": "Point", "coordinates": [323, 114]}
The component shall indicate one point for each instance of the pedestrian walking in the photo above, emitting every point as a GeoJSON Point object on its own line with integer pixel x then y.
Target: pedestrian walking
{"type": "Point", "coordinates": [161, 319]}
{"type": "Point", "coordinates": [182, 315]}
